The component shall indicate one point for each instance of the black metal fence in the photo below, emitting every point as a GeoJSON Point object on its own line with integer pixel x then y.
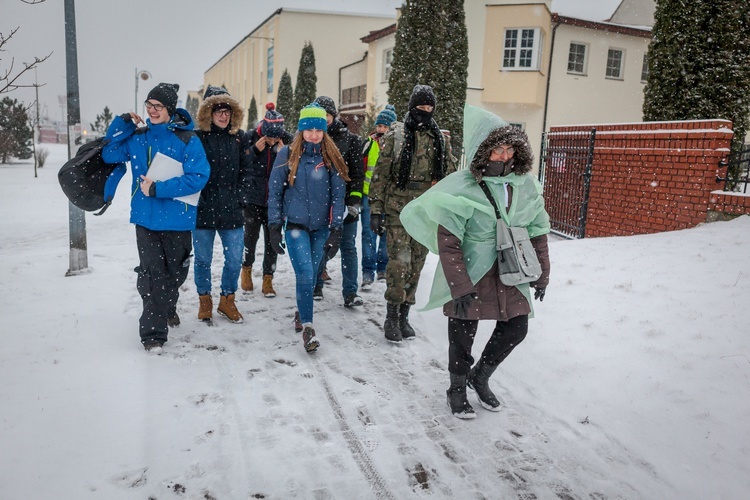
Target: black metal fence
{"type": "Point", "coordinates": [738, 171]}
{"type": "Point", "coordinates": [565, 173]}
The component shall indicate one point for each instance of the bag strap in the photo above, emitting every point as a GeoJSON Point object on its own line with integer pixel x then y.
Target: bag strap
{"type": "Point", "coordinates": [487, 193]}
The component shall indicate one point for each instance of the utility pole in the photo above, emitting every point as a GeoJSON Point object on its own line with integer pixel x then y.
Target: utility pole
{"type": "Point", "coordinates": [76, 216]}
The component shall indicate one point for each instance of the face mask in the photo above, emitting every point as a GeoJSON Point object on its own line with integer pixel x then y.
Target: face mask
{"type": "Point", "coordinates": [420, 116]}
{"type": "Point", "coordinates": [498, 168]}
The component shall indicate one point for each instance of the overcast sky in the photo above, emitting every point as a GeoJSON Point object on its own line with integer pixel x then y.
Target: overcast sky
{"type": "Point", "coordinates": [175, 40]}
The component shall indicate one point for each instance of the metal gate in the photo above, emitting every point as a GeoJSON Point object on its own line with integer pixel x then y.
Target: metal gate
{"type": "Point", "coordinates": [565, 173]}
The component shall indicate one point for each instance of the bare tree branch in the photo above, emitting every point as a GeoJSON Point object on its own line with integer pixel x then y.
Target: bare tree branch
{"type": "Point", "coordinates": [7, 78]}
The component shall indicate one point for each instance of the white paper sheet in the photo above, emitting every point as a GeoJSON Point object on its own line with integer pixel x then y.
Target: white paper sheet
{"type": "Point", "coordinates": [162, 168]}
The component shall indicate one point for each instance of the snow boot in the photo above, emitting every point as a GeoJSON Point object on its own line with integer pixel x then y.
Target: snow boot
{"type": "Point", "coordinates": [297, 322]}
{"type": "Point", "coordinates": [153, 347]}
{"type": "Point", "coordinates": [479, 381]}
{"type": "Point", "coordinates": [391, 325]}
{"type": "Point", "coordinates": [228, 309]}
{"type": "Point", "coordinates": [267, 287]}
{"type": "Point", "coordinates": [352, 300]}
{"type": "Point", "coordinates": [318, 292]}
{"type": "Point", "coordinates": [456, 393]}
{"type": "Point", "coordinates": [309, 340]}
{"type": "Point", "coordinates": [246, 278]}
{"type": "Point", "coordinates": [324, 276]}
{"type": "Point", "coordinates": [173, 319]}
{"type": "Point", "coordinates": [407, 331]}
{"type": "Point", "coordinates": [381, 276]}
{"type": "Point", "coordinates": [206, 305]}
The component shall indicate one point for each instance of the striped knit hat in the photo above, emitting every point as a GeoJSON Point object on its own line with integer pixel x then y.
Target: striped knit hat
{"type": "Point", "coordinates": [311, 117]}
{"type": "Point", "coordinates": [387, 116]}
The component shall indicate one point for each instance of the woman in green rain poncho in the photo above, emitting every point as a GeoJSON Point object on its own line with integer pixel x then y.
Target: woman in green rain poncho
{"type": "Point", "coordinates": [455, 220]}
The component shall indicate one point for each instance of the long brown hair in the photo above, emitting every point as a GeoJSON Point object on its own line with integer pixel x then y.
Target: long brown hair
{"type": "Point", "coordinates": [331, 157]}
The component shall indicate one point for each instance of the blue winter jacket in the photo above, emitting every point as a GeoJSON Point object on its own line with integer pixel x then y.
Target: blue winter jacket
{"type": "Point", "coordinates": [315, 200]}
{"type": "Point", "coordinates": [161, 212]}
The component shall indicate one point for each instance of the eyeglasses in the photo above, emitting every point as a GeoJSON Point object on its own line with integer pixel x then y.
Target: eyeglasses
{"type": "Point", "coordinates": [157, 107]}
{"type": "Point", "coordinates": [500, 150]}
{"type": "Point", "coordinates": [223, 112]}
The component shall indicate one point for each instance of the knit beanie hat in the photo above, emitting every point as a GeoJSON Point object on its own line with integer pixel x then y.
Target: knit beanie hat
{"type": "Point", "coordinates": [273, 123]}
{"type": "Point", "coordinates": [312, 116]}
{"type": "Point", "coordinates": [165, 93]}
{"type": "Point", "coordinates": [421, 95]}
{"type": "Point", "coordinates": [327, 103]}
{"type": "Point", "coordinates": [387, 116]}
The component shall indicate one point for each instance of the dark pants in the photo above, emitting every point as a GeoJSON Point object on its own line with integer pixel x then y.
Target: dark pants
{"type": "Point", "coordinates": [255, 218]}
{"type": "Point", "coordinates": [506, 336]}
{"type": "Point", "coordinates": [164, 265]}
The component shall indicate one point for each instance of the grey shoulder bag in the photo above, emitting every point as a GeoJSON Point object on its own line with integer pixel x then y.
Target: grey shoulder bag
{"type": "Point", "coordinates": [516, 257]}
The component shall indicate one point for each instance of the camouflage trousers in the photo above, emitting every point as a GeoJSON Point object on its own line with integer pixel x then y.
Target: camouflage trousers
{"type": "Point", "coordinates": [406, 258]}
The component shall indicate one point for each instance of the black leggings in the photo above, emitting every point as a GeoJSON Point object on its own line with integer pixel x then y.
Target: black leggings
{"type": "Point", "coordinates": [256, 218]}
{"type": "Point", "coordinates": [506, 336]}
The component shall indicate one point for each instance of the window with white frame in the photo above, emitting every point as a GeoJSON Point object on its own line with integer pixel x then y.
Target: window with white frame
{"type": "Point", "coordinates": [522, 48]}
{"type": "Point", "coordinates": [644, 68]}
{"type": "Point", "coordinates": [615, 60]}
{"type": "Point", "coordinates": [387, 62]}
{"type": "Point", "coordinates": [577, 58]}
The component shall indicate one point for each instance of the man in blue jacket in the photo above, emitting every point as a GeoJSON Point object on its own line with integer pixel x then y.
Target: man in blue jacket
{"type": "Point", "coordinates": [163, 224]}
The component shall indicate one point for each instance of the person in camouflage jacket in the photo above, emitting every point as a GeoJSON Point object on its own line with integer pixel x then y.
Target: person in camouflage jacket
{"type": "Point", "coordinates": [415, 155]}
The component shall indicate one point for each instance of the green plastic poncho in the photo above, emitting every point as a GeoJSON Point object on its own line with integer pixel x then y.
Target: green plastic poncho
{"type": "Point", "coordinates": [459, 204]}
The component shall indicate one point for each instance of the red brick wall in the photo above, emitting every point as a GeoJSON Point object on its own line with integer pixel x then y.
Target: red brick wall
{"type": "Point", "coordinates": [655, 176]}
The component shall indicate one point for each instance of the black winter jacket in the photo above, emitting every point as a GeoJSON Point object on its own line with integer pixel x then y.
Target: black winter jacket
{"type": "Point", "coordinates": [351, 147]}
{"type": "Point", "coordinates": [261, 164]}
{"type": "Point", "coordinates": [221, 201]}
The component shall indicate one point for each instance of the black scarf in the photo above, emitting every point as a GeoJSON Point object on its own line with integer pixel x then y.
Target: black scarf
{"type": "Point", "coordinates": [416, 119]}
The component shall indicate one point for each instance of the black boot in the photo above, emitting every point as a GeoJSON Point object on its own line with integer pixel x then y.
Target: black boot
{"type": "Point", "coordinates": [460, 406]}
{"type": "Point", "coordinates": [407, 331]}
{"type": "Point", "coordinates": [391, 328]}
{"type": "Point", "coordinates": [479, 380]}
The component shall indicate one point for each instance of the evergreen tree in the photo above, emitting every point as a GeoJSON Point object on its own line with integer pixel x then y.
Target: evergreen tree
{"type": "Point", "coordinates": [368, 126]}
{"type": "Point", "coordinates": [285, 100]}
{"type": "Point", "coordinates": [699, 63]}
{"type": "Point", "coordinates": [192, 105]}
{"type": "Point", "coordinates": [101, 124]}
{"type": "Point", "coordinates": [252, 113]}
{"type": "Point", "coordinates": [307, 84]}
{"type": "Point", "coordinates": [432, 49]}
{"type": "Point", "coordinates": [16, 135]}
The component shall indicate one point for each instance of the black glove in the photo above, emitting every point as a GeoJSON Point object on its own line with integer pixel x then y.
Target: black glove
{"type": "Point", "coordinates": [461, 305]}
{"type": "Point", "coordinates": [377, 224]}
{"type": "Point", "coordinates": [333, 242]}
{"type": "Point", "coordinates": [274, 235]}
{"type": "Point", "coordinates": [352, 213]}
{"type": "Point", "coordinates": [539, 294]}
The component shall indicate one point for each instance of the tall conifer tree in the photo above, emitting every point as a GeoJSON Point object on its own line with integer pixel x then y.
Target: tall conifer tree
{"type": "Point", "coordinates": [252, 113]}
{"type": "Point", "coordinates": [305, 91]}
{"type": "Point", "coordinates": [699, 63]}
{"type": "Point", "coordinates": [285, 100]}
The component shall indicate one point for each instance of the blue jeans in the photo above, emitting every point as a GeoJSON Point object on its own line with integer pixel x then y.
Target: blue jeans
{"type": "Point", "coordinates": [203, 245]}
{"type": "Point", "coordinates": [349, 268]}
{"type": "Point", "coordinates": [305, 249]}
{"type": "Point", "coordinates": [374, 248]}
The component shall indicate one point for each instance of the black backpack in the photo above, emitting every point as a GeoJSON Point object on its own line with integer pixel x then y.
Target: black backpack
{"type": "Point", "coordinates": [83, 178]}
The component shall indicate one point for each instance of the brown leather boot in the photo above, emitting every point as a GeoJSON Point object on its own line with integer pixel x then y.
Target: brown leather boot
{"type": "Point", "coordinates": [228, 309]}
{"type": "Point", "coordinates": [246, 278]}
{"type": "Point", "coordinates": [268, 290]}
{"type": "Point", "coordinates": [206, 306]}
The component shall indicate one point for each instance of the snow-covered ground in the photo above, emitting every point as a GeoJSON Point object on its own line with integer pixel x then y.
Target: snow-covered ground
{"type": "Point", "coordinates": [633, 382]}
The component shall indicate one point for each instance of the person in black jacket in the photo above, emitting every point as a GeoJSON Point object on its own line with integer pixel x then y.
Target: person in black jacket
{"type": "Point", "coordinates": [351, 146]}
{"type": "Point", "coordinates": [221, 201]}
{"type": "Point", "coordinates": [266, 140]}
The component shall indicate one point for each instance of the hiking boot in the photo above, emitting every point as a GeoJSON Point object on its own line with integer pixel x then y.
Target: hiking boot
{"type": "Point", "coordinates": [381, 276]}
{"type": "Point", "coordinates": [325, 276]}
{"type": "Point", "coordinates": [206, 306]}
{"type": "Point", "coordinates": [479, 381]}
{"type": "Point", "coordinates": [390, 327]}
{"type": "Point", "coordinates": [318, 293]}
{"type": "Point", "coordinates": [246, 278]}
{"type": "Point", "coordinates": [367, 282]}
{"type": "Point", "coordinates": [297, 322]}
{"type": "Point", "coordinates": [352, 300]}
{"type": "Point", "coordinates": [153, 346]}
{"type": "Point", "coordinates": [456, 393]}
{"type": "Point", "coordinates": [228, 309]}
{"type": "Point", "coordinates": [267, 287]}
{"type": "Point", "coordinates": [173, 319]}
{"type": "Point", "coordinates": [309, 340]}
{"type": "Point", "coordinates": [407, 331]}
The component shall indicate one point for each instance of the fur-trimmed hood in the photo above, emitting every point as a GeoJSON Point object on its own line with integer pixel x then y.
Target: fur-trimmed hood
{"type": "Point", "coordinates": [203, 121]}
{"type": "Point", "coordinates": [523, 158]}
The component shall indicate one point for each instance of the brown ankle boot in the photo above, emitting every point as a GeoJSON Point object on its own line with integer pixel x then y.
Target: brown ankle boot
{"type": "Point", "coordinates": [246, 278]}
{"type": "Point", "coordinates": [228, 309]}
{"type": "Point", "coordinates": [268, 290]}
{"type": "Point", "coordinates": [206, 306]}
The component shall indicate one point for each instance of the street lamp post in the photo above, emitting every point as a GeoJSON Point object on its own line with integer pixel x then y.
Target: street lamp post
{"type": "Point", "coordinates": [142, 75]}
